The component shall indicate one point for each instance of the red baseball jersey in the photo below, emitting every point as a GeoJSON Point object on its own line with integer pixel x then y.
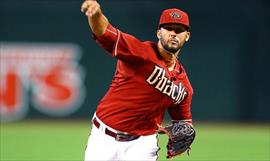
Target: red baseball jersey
{"type": "Point", "coordinates": [142, 88]}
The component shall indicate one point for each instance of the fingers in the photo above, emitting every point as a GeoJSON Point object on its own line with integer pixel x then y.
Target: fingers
{"type": "Point", "coordinates": [90, 7]}
{"type": "Point", "coordinates": [94, 9]}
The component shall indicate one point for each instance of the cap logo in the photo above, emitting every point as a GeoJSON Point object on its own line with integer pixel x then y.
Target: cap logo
{"type": "Point", "coordinates": [175, 15]}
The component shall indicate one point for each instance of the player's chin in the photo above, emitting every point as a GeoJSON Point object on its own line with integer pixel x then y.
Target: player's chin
{"type": "Point", "coordinates": [173, 49]}
{"type": "Point", "coordinates": [175, 46]}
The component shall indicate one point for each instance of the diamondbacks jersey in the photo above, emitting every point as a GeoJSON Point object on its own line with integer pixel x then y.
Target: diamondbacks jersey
{"type": "Point", "coordinates": [142, 88]}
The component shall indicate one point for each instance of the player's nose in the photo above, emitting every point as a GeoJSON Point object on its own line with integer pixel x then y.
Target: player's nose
{"type": "Point", "coordinates": [172, 33]}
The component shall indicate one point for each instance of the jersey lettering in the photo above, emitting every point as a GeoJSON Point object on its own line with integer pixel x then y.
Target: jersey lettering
{"type": "Point", "coordinates": [158, 79]}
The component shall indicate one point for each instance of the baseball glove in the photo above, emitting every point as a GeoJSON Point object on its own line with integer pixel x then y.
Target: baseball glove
{"type": "Point", "coordinates": [181, 136]}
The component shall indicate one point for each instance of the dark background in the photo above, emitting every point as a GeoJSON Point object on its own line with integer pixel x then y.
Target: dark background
{"type": "Point", "coordinates": [226, 58]}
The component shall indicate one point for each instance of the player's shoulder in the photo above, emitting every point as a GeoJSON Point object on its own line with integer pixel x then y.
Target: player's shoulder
{"type": "Point", "coordinates": [152, 49]}
{"type": "Point", "coordinates": [135, 40]}
{"type": "Point", "coordinates": [150, 44]}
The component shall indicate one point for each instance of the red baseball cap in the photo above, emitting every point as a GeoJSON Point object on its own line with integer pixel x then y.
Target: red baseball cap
{"type": "Point", "coordinates": [174, 15]}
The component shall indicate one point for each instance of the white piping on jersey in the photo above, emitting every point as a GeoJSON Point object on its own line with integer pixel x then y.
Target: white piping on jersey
{"type": "Point", "coordinates": [116, 44]}
{"type": "Point", "coordinates": [111, 31]}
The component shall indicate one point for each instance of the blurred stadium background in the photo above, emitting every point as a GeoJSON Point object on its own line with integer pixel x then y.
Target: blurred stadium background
{"type": "Point", "coordinates": [52, 75]}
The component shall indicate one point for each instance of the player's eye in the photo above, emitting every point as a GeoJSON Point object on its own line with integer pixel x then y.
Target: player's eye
{"type": "Point", "coordinates": [168, 28]}
{"type": "Point", "coordinates": [177, 30]}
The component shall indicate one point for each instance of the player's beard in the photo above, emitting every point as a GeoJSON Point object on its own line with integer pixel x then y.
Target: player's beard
{"type": "Point", "coordinates": [171, 49]}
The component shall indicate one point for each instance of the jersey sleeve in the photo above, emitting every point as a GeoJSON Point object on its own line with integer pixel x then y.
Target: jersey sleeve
{"type": "Point", "coordinates": [182, 111]}
{"type": "Point", "coordinates": [122, 45]}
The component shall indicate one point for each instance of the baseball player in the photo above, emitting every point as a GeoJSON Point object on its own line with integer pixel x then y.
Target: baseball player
{"type": "Point", "coordinates": [148, 80]}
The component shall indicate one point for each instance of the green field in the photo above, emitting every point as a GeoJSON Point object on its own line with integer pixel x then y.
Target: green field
{"type": "Point", "coordinates": [66, 140]}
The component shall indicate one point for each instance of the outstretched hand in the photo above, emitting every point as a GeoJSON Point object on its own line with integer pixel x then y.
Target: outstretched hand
{"type": "Point", "coordinates": [90, 8]}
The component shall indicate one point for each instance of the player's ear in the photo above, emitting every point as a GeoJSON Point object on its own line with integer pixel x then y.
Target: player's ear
{"type": "Point", "coordinates": [158, 33]}
{"type": "Point", "coordinates": [187, 36]}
